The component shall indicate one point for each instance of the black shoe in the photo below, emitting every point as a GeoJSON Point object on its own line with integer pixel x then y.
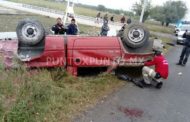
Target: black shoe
{"type": "Point", "coordinates": [179, 64]}
{"type": "Point", "coordinates": [124, 77]}
{"type": "Point", "coordinates": [145, 84]}
{"type": "Point", "coordinates": [138, 83]}
{"type": "Point", "coordinates": [183, 64]}
{"type": "Point", "coordinates": [159, 85]}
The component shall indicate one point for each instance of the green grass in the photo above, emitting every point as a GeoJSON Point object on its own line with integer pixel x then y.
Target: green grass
{"type": "Point", "coordinates": [160, 29]}
{"type": "Point", "coordinates": [9, 23]}
{"type": "Point", "coordinates": [165, 41]}
{"type": "Point", "coordinates": [167, 47]}
{"type": "Point", "coordinates": [33, 96]}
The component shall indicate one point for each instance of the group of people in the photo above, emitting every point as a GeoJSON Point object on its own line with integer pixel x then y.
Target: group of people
{"type": "Point", "coordinates": [72, 28]}
{"type": "Point", "coordinates": [104, 18]}
{"type": "Point", "coordinates": [59, 28]}
{"type": "Point", "coordinates": [100, 19]}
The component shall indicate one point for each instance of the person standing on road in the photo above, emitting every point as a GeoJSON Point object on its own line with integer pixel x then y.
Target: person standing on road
{"type": "Point", "coordinates": [58, 28]}
{"type": "Point", "coordinates": [186, 50]}
{"type": "Point", "coordinates": [72, 28]}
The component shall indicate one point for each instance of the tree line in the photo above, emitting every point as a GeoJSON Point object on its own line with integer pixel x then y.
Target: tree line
{"type": "Point", "coordinates": [169, 12]}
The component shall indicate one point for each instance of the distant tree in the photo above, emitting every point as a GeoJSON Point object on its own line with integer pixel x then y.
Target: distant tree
{"type": "Point", "coordinates": [157, 13]}
{"type": "Point", "coordinates": [174, 11]}
{"type": "Point", "coordinates": [137, 8]}
{"type": "Point", "coordinates": [101, 8]}
{"type": "Point", "coordinates": [117, 12]}
{"type": "Point", "coordinates": [170, 12]}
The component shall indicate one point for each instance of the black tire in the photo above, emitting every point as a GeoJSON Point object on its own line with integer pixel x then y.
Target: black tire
{"type": "Point", "coordinates": [135, 35]}
{"type": "Point", "coordinates": [30, 32]}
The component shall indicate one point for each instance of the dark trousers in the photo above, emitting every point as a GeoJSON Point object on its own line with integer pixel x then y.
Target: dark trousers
{"type": "Point", "coordinates": [184, 55]}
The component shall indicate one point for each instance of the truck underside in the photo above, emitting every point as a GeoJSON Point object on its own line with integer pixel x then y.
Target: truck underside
{"type": "Point", "coordinates": [74, 52]}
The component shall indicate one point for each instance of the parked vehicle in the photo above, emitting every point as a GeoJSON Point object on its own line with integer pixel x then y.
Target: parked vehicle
{"type": "Point", "coordinates": [180, 32]}
{"type": "Point", "coordinates": [36, 49]}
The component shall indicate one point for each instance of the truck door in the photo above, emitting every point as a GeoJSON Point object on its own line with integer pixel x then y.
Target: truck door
{"type": "Point", "coordinates": [95, 51]}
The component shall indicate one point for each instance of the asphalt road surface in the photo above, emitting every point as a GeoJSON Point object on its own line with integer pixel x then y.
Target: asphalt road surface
{"type": "Point", "coordinates": [133, 104]}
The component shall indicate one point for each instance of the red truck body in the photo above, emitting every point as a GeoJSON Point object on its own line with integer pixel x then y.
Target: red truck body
{"type": "Point", "coordinates": [73, 52]}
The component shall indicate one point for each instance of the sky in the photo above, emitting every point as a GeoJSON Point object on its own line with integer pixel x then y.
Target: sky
{"type": "Point", "coordinates": [127, 4]}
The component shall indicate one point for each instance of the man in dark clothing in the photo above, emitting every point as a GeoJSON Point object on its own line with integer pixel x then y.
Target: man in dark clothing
{"type": "Point", "coordinates": [186, 50]}
{"type": "Point", "coordinates": [123, 19]}
{"type": "Point", "coordinates": [112, 18]}
{"type": "Point", "coordinates": [105, 28]}
{"type": "Point", "coordinates": [58, 28]}
{"type": "Point", "coordinates": [184, 35]}
{"type": "Point", "coordinates": [72, 28]}
{"type": "Point", "coordinates": [121, 31]}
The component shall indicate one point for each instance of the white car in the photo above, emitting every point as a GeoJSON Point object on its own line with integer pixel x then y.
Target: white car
{"type": "Point", "coordinates": [179, 33]}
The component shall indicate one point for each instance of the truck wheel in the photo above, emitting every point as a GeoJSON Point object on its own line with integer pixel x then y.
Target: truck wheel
{"type": "Point", "coordinates": [30, 32]}
{"type": "Point", "coordinates": [135, 35]}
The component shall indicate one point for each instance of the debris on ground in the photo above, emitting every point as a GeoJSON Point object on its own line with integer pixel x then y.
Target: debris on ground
{"type": "Point", "coordinates": [180, 73]}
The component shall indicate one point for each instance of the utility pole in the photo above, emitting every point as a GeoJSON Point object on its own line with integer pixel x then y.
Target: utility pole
{"type": "Point", "coordinates": [143, 10]}
{"type": "Point", "coordinates": [66, 12]}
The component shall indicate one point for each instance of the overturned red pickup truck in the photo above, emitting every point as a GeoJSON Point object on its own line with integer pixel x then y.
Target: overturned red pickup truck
{"type": "Point", "coordinates": [36, 49]}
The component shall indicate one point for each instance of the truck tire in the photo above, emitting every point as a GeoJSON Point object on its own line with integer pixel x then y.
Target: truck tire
{"type": "Point", "coordinates": [135, 35]}
{"type": "Point", "coordinates": [30, 32]}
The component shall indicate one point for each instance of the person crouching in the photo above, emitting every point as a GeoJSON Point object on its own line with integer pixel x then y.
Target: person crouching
{"type": "Point", "coordinates": [156, 76]}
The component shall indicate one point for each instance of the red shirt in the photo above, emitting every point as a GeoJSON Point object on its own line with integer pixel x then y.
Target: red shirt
{"type": "Point", "coordinates": [161, 65]}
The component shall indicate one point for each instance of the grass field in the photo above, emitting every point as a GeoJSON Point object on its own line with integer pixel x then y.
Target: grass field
{"type": "Point", "coordinates": [158, 28]}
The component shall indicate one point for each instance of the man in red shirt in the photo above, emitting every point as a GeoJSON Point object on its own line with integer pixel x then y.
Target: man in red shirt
{"type": "Point", "coordinates": [155, 76]}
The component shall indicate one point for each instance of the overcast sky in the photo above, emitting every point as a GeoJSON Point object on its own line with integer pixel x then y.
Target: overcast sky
{"type": "Point", "coordinates": [127, 4]}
